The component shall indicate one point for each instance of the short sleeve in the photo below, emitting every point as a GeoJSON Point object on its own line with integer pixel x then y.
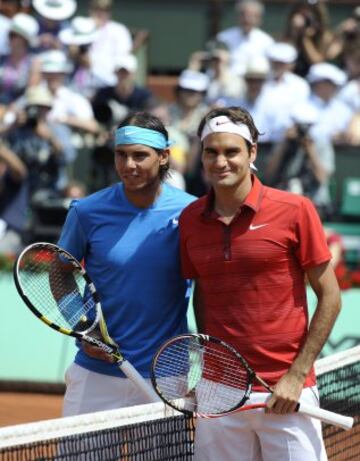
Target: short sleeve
{"type": "Point", "coordinates": [312, 249]}
{"type": "Point", "coordinates": [73, 238]}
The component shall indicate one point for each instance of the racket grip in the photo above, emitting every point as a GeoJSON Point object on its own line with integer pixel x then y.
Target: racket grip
{"type": "Point", "coordinates": [137, 379]}
{"type": "Point", "coordinates": [345, 422]}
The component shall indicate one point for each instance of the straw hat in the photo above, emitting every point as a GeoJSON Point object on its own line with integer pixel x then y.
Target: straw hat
{"type": "Point", "coordinates": [82, 31]}
{"type": "Point", "coordinates": [38, 96]}
{"type": "Point", "coordinates": [25, 26]}
{"type": "Point", "coordinates": [57, 10]}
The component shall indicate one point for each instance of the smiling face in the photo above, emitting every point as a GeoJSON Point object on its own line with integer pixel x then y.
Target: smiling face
{"type": "Point", "coordinates": [138, 166]}
{"type": "Point", "coordinates": [226, 159]}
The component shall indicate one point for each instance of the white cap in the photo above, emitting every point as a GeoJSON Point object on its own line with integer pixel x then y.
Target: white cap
{"type": "Point", "coordinates": [57, 10]}
{"type": "Point", "coordinates": [54, 61]}
{"type": "Point", "coordinates": [82, 31]}
{"type": "Point", "coordinates": [127, 62]}
{"type": "Point", "coordinates": [193, 80]}
{"type": "Point", "coordinates": [38, 96]}
{"type": "Point", "coordinates": [26, 26]}
{"type": "Point", "coordinates": [282, 52]}
{"type": "Point", "coordinates": [326, 71]}
{"type": "Point", "coordinates": [257, 67]}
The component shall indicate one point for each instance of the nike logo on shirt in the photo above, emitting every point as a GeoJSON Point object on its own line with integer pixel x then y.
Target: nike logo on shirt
{"type": "Point", "coordinates": [253, 227]}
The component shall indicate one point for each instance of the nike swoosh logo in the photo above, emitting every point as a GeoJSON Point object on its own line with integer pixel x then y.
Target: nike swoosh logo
{"type": "Point", "coordinates": [175, 221]}
{"type": "Point", "coordinates": [252, 227]}
{"type": "Point", "coordinates": [221, 123]}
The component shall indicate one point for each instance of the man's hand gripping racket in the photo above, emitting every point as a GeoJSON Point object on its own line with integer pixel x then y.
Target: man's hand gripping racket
{"type": "Point", "coordinates": [57, 289]}
{"type": "Point", "coordinates": [203, 376]}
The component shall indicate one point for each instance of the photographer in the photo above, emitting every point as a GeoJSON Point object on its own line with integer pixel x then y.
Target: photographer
{"type": "Point", "coordinates": [308, 30]}
{"type": "Point", "coordinates": [32, 138]}
{"type": "Point", "coordinates": [301, 163]}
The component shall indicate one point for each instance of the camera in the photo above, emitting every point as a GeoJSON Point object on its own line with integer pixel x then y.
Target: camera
{"type": "Point", "coordinates": [32, 114]}
{"type": "Point", "coordinates": [303, 129]}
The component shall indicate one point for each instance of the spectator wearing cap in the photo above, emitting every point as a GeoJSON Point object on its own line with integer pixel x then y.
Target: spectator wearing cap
{"type": "Point", "coordinates": [333, 116]}
{"type": "Point", "coordinates": [53, 16]}
{"type": "Point", "coordinates": [69, 107]}
{"type": "Point", "coordinates": [78, 37]}
{"type": "Point", "coordinates": [282, 90]}
{"type": "Point", "coordinates": [256, 73]}
{"type": "Point", "coordinates": [19, 68]}
{"type": "Point", "coordinates": [113, 40]}
{"type": "Point", "coordinates": [215, 62]}
{"type": "Point", "coordinates": [126, 95]}
{"type": "Point", "coordinates": [189, 106]}
{"type": "Point", "coordinates": [246, 39]}
{"type": "Point", "coordinates": [302, 162]}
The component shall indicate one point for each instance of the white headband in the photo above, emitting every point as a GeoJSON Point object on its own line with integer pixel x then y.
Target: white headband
{"type": "Point", "coordinates": [222, 124]}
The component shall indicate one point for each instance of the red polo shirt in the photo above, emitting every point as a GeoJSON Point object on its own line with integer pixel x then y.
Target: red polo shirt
{"type": "Point", "coordinates": [251, 273]}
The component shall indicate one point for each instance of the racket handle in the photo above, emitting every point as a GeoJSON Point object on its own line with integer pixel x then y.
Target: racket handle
{"type": "Point", "coordinates": [137, 379]}
{"type": "Point", "coordinates": [345, 422]}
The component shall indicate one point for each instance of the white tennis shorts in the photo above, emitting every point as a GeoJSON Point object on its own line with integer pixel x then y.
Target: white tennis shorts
{"type": "Point", "coordinates": [255, 436]}
{"type": "Point", "coordinates": [87, 391]}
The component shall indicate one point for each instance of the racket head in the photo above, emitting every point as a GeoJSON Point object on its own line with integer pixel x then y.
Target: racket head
{"type": "Point", "coordinates": [57, 289]}
{"type": "Point", "coordinates": [201, 375]}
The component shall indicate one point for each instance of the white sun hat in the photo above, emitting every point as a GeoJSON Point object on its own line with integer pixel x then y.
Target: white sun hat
{"type": "Point", "coordinates": [193, 80]}
{"type": "Point", "coordinates": [57, 10]}
{"type": "Point", "coordinates": [127, 62]}
{"type": "Point", "coordinates": [282, 52]}
{"type": "Point", "coordinates": [26, 26]}
{"type": "Point", "coordinates": [82, 31]}
{"type": "Point", "coordinates": [325, 71]}
{"type": "Point", "coordinates": [55, 61]}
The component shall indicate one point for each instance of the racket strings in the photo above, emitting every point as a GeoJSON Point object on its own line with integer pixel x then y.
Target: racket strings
{"type": "Point", "coordinates": [56, 287]}
{"type": "Point", "coordinates": [207, 379]}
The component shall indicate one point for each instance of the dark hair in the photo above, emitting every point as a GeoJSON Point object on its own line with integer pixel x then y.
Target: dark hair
{"type": "Point", "coordinates": [236, 115]}
{"type": "Point", "coordinates": [146, 120]}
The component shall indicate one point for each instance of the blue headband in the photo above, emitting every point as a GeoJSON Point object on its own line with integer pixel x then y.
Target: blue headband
{"type": "Point", "coordinates": [136, 135]}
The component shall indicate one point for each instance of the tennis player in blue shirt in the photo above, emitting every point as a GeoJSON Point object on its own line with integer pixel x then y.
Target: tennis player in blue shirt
{"type": "Point", "coordinates": [127, 235]}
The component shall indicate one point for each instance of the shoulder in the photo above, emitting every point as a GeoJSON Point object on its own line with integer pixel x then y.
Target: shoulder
{"type": "Point", "coordinates": [285, 199]}
{"type": "Point", "coordinates": [95, 200]}
{"type": "Point", "coordinates": [177, 196]}
{"type": "Point", "coordinates": [194, 209]}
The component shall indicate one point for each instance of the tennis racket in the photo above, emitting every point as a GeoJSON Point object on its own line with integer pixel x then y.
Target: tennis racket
{"type": "Point", "coordinates": [57, 289]}
{"type": "Point", "coordinates": [205, 377]}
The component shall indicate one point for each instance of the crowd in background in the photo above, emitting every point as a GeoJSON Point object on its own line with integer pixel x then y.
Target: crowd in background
{"type": "Point", "coordinates": [67, 80]}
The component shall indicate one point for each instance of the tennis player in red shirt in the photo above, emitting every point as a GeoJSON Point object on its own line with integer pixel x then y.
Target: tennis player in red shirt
{"type": "Point", "coordinates": [249, 248]}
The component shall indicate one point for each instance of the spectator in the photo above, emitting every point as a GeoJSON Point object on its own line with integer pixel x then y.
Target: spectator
{"type": "Point", "coordinates": [52, 16]}
{"type": "Point", "coordinates": [69, 108]}
{"type": "Point", "coordinates": [308, 30]}
{"type": "Point", "coordinates": [33, 140]}
{"type": "Point", "coordinates": [8, 9]}
{"type": "Point", "coordinates": [78, 37]}
{"type": "Point", "coordinates": [113, 40]}
{"type": "Point", "coordinates": [301, 163]}
{"type": "Point", "coordinates": [333, 116]}
{"type": "Point", "coordinates": [283, 90]}
{"type": "Point", "coordinates": [256, 74]}
{"type": "Point", "coordinates": [215, 62]}
{"type": "Point", "coordinates": [13, 200]}
{"type": "Point", "coordinates": [125, 95]}
{"type": "Point", "coordinates": [19, 68]}
{"type": "Point", "coordinates": [246, 39]}
{"type": "Point", "coordinates": [350, 95]}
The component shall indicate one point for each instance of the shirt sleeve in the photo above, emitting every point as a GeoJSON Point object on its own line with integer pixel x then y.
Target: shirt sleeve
{"type": "Point", "coordinates": [73, 238]}
{"type": "Point", "coordinates": [312, 248]}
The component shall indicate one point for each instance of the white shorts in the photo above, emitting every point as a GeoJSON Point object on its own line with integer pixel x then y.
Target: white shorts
{"type": "Point", "coordinates": [87, 391]}
{"type": "Point", "coordinates": [256, 436]}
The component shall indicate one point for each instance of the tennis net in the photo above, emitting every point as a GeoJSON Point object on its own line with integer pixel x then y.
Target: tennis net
{"type": "Point", "coordinates": [339, 385]}
{"type": "Point", "coordinates": [145, 432]}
